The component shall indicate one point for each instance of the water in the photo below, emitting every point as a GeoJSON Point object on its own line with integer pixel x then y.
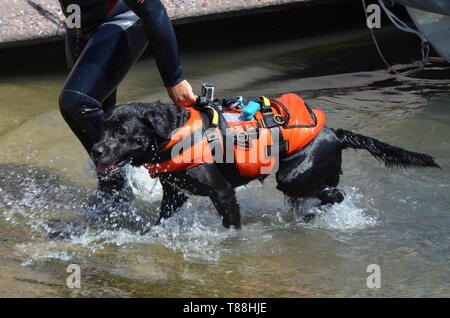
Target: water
{"type": "Point", "coordinates": [396, 219]}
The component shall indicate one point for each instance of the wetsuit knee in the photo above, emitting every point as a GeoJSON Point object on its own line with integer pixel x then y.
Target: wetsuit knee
{"type": "Point", "coordinates": [75, 105]}
{"type": "Point", "coordinates": [83, 114]}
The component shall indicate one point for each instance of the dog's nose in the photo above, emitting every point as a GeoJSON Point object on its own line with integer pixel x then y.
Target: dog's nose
{"type": "Point", "coordinates": [97, 152]}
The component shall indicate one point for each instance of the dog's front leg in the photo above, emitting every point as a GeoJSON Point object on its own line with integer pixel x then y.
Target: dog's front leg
{"type": "Point", "coordinates": [172, 200]}
{"type": "Point", "coordinates": [209, 180]}
{"type": "Point", "coordinates": [228, 208]}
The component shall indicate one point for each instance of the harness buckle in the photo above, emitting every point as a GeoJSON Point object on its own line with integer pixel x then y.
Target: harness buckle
{"type": "Point", "coordinates": [279, 119]}
{"type": "Point", "coordinates": [211, 136]}
{"type": "Point", "coordinates": [243, 138]}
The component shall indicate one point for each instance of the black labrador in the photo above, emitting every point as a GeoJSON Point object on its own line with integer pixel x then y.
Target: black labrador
{"type": "Point", "coordinates": [135, 133]}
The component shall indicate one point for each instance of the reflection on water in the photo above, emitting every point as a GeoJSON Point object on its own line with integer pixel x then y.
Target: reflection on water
{"type": "Point", "coordinates": [51, 217]}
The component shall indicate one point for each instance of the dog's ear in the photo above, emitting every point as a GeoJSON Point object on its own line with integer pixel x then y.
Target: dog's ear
{"type": "Point", "coordinates": [157, 123]}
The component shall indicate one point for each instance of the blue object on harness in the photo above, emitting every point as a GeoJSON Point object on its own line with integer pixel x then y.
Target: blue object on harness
{"type": "Point", "coordinates": [248, 111]}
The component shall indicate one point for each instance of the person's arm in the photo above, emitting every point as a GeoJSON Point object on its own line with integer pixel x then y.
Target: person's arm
{"type": "Point", "coordinates": [162, 39]}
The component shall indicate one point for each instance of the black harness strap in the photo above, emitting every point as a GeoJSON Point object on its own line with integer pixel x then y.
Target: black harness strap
{"type": "Point", "coordinates": [273, 122]}
{"type": "Point", "coordinates": [283, 145]}
{"type": "Point", "coordinates": [214, 116]}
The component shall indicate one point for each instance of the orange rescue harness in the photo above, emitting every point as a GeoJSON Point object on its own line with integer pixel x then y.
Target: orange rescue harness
{"type": "Point", "coordinates": [287, 120]}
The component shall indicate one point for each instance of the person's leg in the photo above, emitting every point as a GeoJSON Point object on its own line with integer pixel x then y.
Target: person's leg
{"type": "Point", "coordinates": [110, 101]}
{"type": "Point", "coordinates": [90, 89]}
{"type": "Point", "coordinates": [74, 45]}
{"type": "Point", "coordinates": [115, 184]}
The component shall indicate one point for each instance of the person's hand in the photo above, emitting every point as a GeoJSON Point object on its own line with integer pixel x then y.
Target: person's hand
{"type": "Point", "coordinates": [182, 94]}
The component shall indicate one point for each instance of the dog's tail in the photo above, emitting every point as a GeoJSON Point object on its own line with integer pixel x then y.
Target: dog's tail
{"type": "Point", "coordinates": [393, 157]}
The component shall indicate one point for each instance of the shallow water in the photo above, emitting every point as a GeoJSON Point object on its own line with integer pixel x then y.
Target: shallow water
{"type": "Point", "coordinates": [397, 219]}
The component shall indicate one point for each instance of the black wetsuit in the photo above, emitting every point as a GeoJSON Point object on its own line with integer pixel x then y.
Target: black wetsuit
{"type": "Point", "coordinates": [112, 36]}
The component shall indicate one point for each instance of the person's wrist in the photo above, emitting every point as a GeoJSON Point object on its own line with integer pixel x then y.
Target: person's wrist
{"type": "Point", "coordinates": [174, 82]}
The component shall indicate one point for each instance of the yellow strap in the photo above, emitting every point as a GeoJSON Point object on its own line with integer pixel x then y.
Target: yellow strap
{"type": "Point", "coordinates": [265, 100]}
{"type": "Point", "coordinates": [215, 120]}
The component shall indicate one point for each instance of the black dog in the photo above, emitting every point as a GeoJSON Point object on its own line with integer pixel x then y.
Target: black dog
{"type": "Point", "coordinates": [136, 132]}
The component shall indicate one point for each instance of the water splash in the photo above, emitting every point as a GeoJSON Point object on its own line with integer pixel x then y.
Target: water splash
{"type": "Point", "coordinates": [348, 216]}
{"type": "Point", "coordinates": [143, 186]}
{"type": "Point", "coordinates": [82, 227]}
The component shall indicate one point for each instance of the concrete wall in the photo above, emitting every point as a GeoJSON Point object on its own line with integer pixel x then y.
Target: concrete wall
{"type": "Point", "coordinates": [24, 22]}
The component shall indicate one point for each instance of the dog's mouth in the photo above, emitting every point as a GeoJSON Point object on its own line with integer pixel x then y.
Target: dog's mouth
{"type": "Point", "coordinates": [111, 168]}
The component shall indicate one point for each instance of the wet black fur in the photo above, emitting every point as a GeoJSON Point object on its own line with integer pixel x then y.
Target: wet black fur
{"type": "Point", "coordinates": [136, 132]}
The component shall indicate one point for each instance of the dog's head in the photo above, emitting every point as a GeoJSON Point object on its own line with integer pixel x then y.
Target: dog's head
{"type": "Point", "coordinates": [132, 133]}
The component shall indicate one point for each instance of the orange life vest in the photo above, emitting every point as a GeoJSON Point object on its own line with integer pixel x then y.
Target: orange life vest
{"type": "Point", "coordinates": [295, 123]}
{"type": "Point", "coordinates": [199, 153]}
